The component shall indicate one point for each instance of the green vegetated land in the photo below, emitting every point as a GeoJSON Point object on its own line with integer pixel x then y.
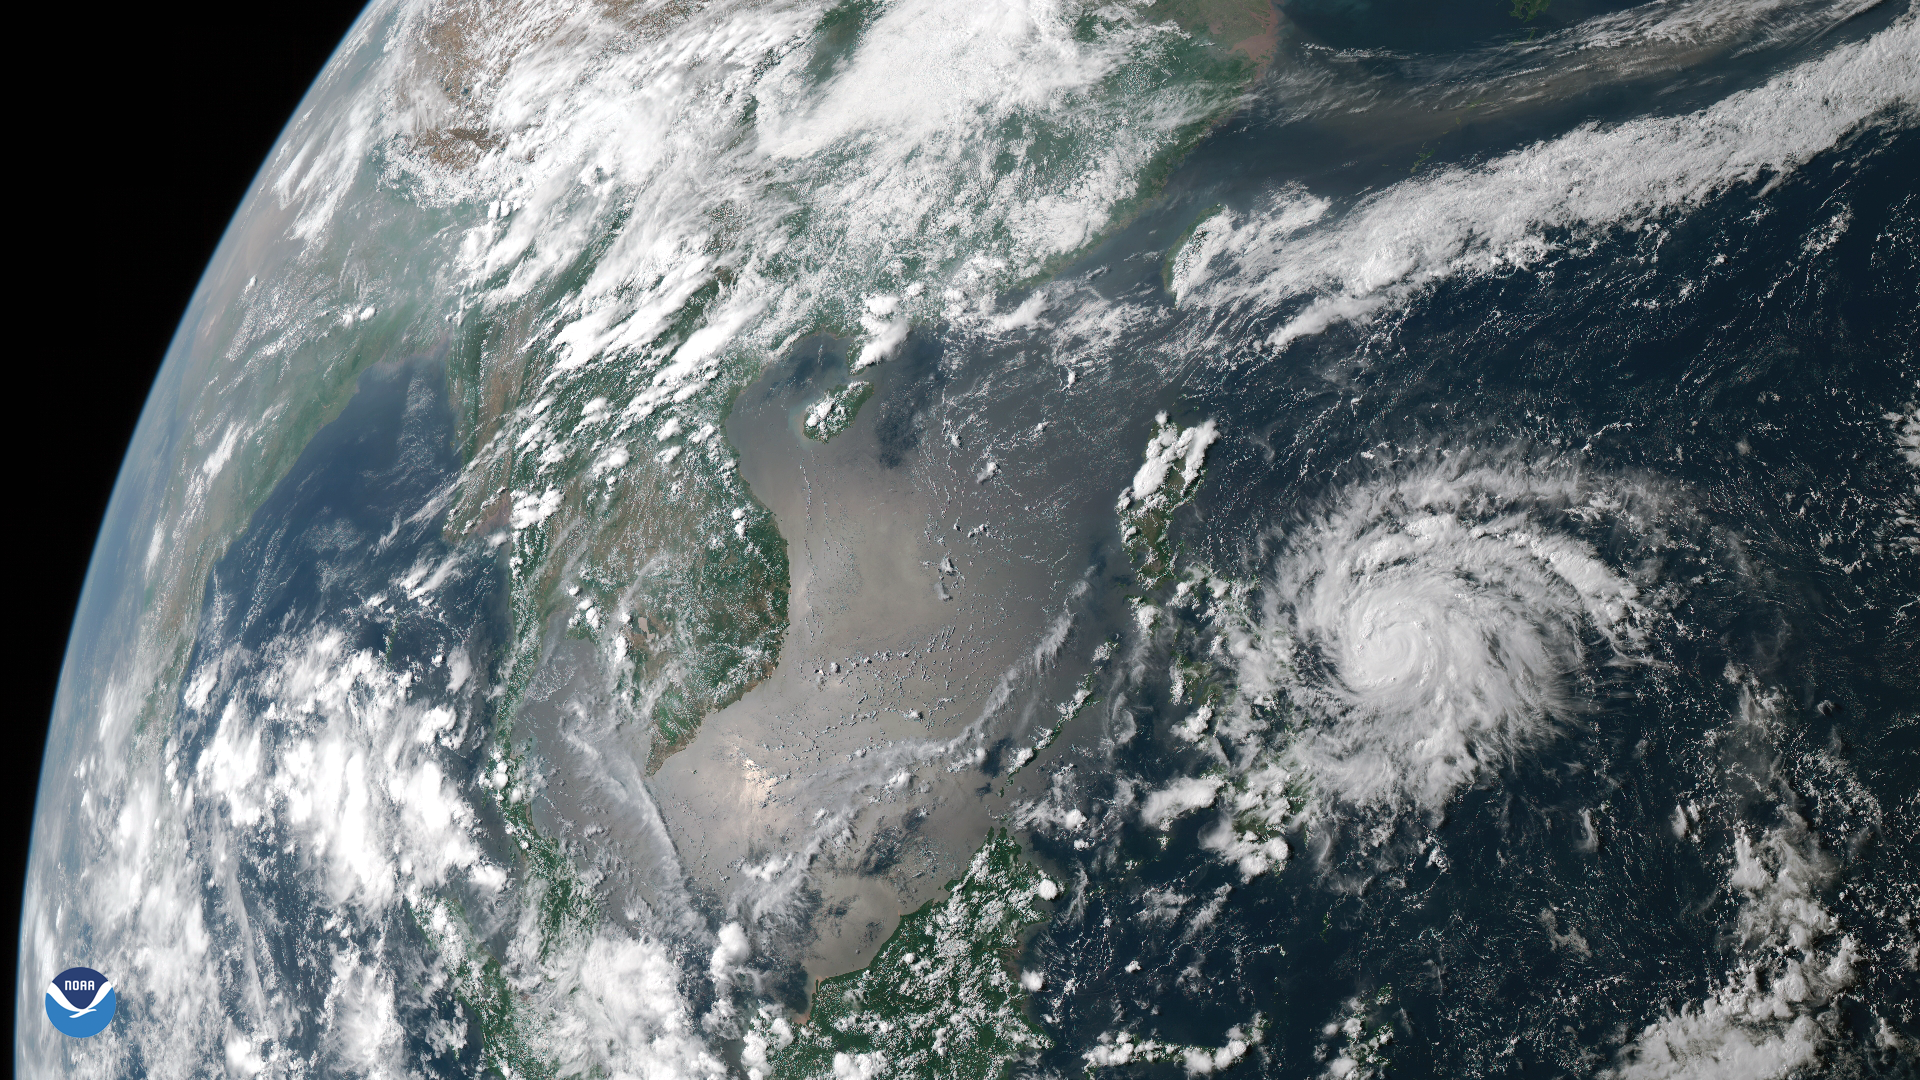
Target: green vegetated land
{"type": "Point", "coordinates": [832, 414]}
{"type": "Point", "coordinates": [941, 999]}
{"type": "Point", "coordinates": [627, 526]}
{"type": "Point", "coordinates": [1243, 25]}
{"type": "Point", "coordinates": [630, 526]}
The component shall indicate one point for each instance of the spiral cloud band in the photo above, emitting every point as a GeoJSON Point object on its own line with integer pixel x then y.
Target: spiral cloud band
{"type": "Point", "coordinates": [1433, 624]}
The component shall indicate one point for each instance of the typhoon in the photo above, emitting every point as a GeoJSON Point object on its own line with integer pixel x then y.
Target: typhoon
{"type": "Point", "coordinates": [800, 539]}
{"type": "Point", "coordinates": [1437, 623]}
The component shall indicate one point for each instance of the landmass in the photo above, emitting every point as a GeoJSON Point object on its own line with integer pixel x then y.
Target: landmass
{"type": "Point", "coordinates": [832, 414]}
{"type": "Point", "coordinates": [942, 999]}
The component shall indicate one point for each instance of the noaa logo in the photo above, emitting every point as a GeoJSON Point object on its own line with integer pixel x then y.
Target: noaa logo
{"type": "Point", "coordinates": [80, 1002]}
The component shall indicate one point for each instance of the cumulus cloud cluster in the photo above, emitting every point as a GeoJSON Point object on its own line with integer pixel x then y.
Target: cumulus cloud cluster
{"type": "Point", "coordinates": [1778, 1006]}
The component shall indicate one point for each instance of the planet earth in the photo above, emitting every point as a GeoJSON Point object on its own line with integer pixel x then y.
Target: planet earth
{"type": "Point", "coordinates": [1031, 538]}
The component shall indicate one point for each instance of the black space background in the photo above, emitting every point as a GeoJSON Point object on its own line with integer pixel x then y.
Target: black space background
{"type": "Point", "coordinates": [136, 132]}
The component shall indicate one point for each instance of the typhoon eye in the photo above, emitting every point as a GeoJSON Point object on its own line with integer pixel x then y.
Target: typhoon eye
{"type": "Point", "coordinates": [1435, 625]}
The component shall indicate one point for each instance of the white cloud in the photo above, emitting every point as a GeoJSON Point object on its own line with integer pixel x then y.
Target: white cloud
{"type": "Point", "coordinates": [1448, 605]}
{"type": "Point", "coordinates": [1517, 209]}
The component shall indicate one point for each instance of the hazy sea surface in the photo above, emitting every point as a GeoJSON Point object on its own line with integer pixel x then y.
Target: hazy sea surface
{"type": "Point", "coordinates": [1429, 586]}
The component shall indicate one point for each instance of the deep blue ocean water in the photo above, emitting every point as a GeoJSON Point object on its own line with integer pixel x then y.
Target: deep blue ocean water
{"type": "Point", "coordinates": [362, 507]}
{"type": "Point", "coordinates": [1728, 357]}
{"type": "Point", "coordinates": [1739, 361]}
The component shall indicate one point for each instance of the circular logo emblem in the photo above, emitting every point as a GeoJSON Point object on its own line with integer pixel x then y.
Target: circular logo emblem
{"type": "Point", "coordinates": [80, 1002]}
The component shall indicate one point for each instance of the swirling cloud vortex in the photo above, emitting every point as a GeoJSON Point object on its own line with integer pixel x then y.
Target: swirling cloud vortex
{"type": "Point", "coordinates": [1435, 624]}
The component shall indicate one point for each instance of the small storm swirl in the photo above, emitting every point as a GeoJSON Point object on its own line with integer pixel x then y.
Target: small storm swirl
{"type": "Point", "coordinates": [1435, 623]}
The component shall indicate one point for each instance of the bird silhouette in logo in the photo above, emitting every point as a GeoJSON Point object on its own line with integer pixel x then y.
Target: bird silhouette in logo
{"type": "Point", "coordinates": [60, 999]}
{"type": "Point", "coordinates": [96, 996]}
